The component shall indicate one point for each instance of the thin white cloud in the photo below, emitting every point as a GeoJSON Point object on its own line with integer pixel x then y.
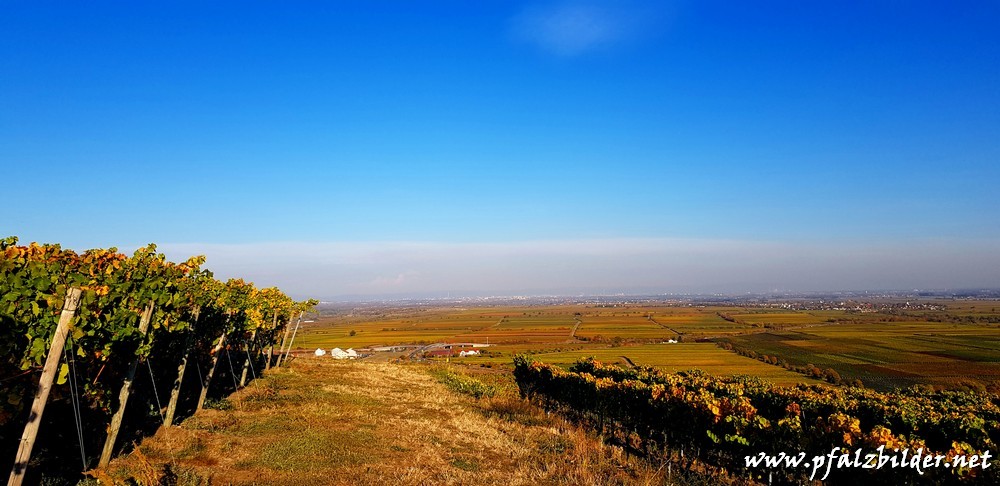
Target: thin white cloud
{"type": "Point", "coordinates": [572, 28]}
{"type": "Point", "coordinates": [326, 270]}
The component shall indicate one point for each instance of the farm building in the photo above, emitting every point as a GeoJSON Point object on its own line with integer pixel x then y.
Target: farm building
{"type": "Point", "coordinates": [337, 353]}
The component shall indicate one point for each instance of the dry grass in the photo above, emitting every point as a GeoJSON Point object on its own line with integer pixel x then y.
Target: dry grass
{"type": "Point", "coordinates": [326, 422]}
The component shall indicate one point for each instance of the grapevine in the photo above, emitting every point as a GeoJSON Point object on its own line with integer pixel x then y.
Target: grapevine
{"type": "Point", "coordinates": [722, 420]}
{"type": "Point", "coordinates": [192, 310]}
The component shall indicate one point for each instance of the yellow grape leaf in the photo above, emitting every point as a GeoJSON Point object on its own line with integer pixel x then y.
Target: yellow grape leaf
{"type": "Point", "coordinates": [63, 373]}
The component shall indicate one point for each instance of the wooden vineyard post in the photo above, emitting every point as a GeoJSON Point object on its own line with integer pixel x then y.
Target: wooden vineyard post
{"type": "Point", "coordinates": [246, 364]}
{"type": "Point", "coordinates": [44, 387]}
{"type": "Point", "coordinates": [270, 348]}
{"type": "Point", "coordinates": [211, 371]}
{"type": "Point", "coordinates": [175, 392]}
{"type": "Point", "coordinates": [116, 419]}
{"type": "Point", "coordinates": [296, 331]}
{"type": "Point", "coordinates": [281, 349]}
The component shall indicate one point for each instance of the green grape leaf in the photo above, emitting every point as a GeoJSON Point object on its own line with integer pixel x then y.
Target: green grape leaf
{"type": "Point", "coordinates": [38, 349]}
{"type": "Point", "coordinates": [63, 374]}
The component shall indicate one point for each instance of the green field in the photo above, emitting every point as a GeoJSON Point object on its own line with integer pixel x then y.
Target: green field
{"type": "Point", "coordinates": [891, 354]}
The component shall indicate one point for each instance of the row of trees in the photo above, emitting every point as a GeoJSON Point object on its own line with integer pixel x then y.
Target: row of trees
{"type": "Point", "coordinates": [93, 320]}
{"type": "Point", "coordinates": [720, 421]}
{"type": "Point", "coordinates": [829, 375]}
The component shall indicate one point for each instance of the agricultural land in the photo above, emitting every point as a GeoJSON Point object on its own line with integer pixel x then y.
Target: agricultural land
{"type": "Point", "coordinates": [887, 344]}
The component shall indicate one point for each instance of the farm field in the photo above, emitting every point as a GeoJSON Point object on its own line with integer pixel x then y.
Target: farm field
{"type": "Point", "coordinates": [695, 322]}
{"type": "Point", "coordinates": [525, 327]}
{"type": "Point", "coordinates": [521, 325]}
{"type": "Point", "coordinates": [494, 325]}
{"type": "Point", "coordinates": [778, 318]}
{"type": "Point", "coordinates": [949, 345]}
{"type": "Point", "coordinates": [601, 327]}
{"type": "Point", "coordinates": [436, 325]}
{"type": "Point", "coordinates": [673, 358]}
{"type": "Point", "coordinates": [689, 322]}
{"type": "Point", "coordinates": [891, 354]}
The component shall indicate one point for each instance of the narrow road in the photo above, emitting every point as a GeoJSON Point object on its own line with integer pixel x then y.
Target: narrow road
{"type": "Point", "coordinates": [654, 321]}
{"type": "Point", "coordinates": [493, 326]}
{"type": "Point", "coordinates": [572, 334]}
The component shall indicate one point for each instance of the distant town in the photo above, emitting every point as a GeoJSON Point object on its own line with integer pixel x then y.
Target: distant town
{"type": "Point", "coordinates": [852, 300]}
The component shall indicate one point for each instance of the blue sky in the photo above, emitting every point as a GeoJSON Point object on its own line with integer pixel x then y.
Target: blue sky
{"type": "Point", "coordinates": [855, 129]}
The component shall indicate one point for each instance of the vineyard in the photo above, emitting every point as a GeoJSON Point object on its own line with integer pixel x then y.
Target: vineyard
{"type": "Point", "coordinates": [122, 344]}
{"type": "Point", "coordinates": [713, 423]}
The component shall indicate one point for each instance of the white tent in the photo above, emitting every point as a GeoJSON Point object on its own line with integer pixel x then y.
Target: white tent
{"type": "Point", "coordinates": [351, 353]}
{"type": "Point", "coordinates": [320, 352]}
{"type": "Point", "coordinates": [337, 353]}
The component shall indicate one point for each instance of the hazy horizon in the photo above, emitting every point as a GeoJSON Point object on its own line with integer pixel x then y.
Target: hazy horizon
{"type": "Point", "coordinates": [333, 271]}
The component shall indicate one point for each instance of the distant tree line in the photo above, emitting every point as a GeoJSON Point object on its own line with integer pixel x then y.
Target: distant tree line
{"type": "Point", "coordinates": [829, 375]}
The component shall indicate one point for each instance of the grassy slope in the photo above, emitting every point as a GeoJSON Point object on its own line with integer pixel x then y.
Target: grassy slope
{"type": "Point", "coordinates": [326, 422]}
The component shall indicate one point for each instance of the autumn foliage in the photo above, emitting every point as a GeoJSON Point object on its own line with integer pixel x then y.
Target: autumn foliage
{"type": "Point", "coordinates": [718, 421]}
